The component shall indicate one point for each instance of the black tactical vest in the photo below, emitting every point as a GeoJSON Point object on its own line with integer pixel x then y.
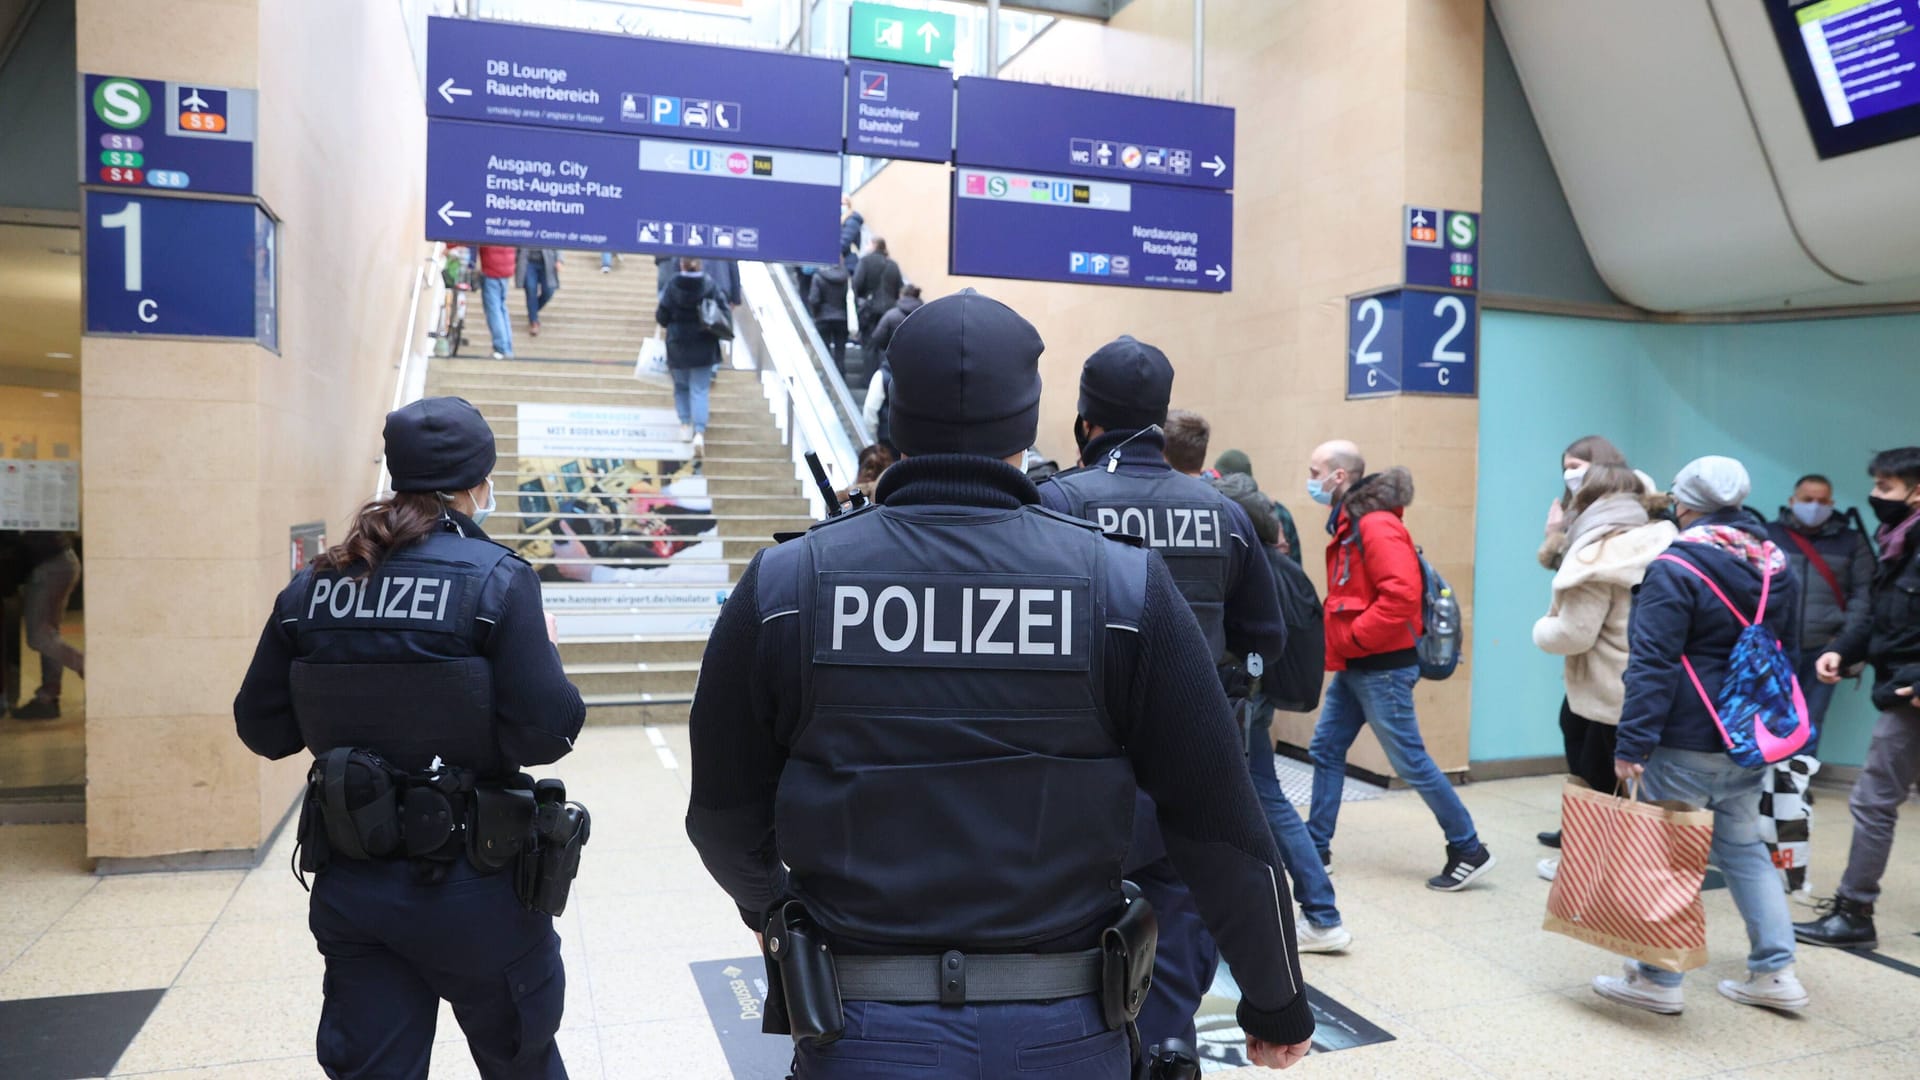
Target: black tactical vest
{"type": "Point", "coordinates": [391, 662]}
{"type": "Point", "coordinates": [954, 779]}
{"type": "Point", "coordinates": [1182, 517]}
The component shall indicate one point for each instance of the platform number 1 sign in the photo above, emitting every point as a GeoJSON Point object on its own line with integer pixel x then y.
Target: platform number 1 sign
{"type": "Point", "coordinates": [1410, 341]}
{"type": "Point", "coordinates": [180, 267]}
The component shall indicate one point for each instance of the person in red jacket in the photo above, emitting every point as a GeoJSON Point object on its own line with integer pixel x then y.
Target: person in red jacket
{"type": "Point", "coordinates": [496, 271]}
{"type": "Point", "coordinates": [1374, 592]}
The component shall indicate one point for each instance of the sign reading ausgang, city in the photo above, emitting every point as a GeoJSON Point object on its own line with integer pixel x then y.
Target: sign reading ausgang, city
{"type": "Point", "coordinates": [547, 187]}
{"type": "Point", "coordinates": [1012, 125]}
{"type": "Point", "coordinates": [1090, 232]}
{"type": "Point", "coordinates": [144, 133]}
{"type": "Point", "coordinates": [179, 267]}
{"type": "Point", "coordinates": [514, 74]}
{"type": "Point", "coordinates": [899, 111]}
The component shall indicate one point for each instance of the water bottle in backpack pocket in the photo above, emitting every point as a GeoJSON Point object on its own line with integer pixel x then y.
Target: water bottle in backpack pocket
{"type": "Point", "coordinates": [1761, 711]}
{"type": "Point", "coordinates": [1438, 646]}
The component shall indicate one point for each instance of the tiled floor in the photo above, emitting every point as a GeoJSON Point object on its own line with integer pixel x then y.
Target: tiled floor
{"type": "Point", "coordinates": [1468, 984]}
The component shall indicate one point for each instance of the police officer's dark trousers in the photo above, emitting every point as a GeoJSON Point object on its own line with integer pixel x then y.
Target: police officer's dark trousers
{"type": "Point", "coordinates": [395, 948]}
{"type": "Point", "coordinates": [1054, 1040]}
{"type": "Point", "coordinates": [1185, 961]}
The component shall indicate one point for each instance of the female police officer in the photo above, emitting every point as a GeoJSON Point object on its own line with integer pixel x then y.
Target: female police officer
{"type": "Point", "coordinates": [419, 646]}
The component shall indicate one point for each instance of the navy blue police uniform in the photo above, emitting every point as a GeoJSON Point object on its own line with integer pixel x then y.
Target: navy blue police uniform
{"type": "Point", "coordinates": [435, 659]}
{"type": "Point", "coordinates": [1214, 556]}
{"type": "Point", "coordinates": [925, 721]}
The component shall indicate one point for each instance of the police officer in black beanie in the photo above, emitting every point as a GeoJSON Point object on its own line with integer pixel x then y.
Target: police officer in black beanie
{"type": "Point", "coordinates": [917, 738]}
{"type": "Point", "coordinates": [1125, 485]}
{"type": "Point", "coordinates": [414, 659]}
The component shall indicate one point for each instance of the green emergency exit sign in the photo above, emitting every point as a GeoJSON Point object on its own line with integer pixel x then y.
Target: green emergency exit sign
{"type": "Point", "coordinates": [902, 35]}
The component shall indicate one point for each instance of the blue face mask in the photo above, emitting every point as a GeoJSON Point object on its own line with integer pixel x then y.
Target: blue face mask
{"type": "Point", "coordinates": [1317, 491]}
{"type": "Point", "coordinates": [1812, 514]}
{"type": "Point", "coordinates": [480, 513]}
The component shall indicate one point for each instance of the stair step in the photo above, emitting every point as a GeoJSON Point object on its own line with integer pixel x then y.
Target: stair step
{"type": "Point", "coordinates": [649, 681]}
{"type": "Point", "coordinates": [616, 710]}
{"type": "Point", "coordinates": [508, 480]}
{"type": "Point", "coordinates": [632, 648]}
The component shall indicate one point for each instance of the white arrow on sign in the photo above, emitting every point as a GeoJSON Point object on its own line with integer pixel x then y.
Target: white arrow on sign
{"type": "Point", "coordinates": [1218, 273]}
{"type": "Point", "coordinates": [448, 213]}
{"type": "Point", "coordinates": [1218, 166]}
{"type": "Point", "coordinates": [928, 34]}
{"type": "Point", "coordinates": [448, 91]}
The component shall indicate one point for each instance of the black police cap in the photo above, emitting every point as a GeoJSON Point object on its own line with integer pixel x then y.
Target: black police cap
{"type": "Point", "coordinates": [966, 378]}
{"type": "Point", "coordinates": [438, 444]}
{"type": "Point", "coordinates": [1126, 385]}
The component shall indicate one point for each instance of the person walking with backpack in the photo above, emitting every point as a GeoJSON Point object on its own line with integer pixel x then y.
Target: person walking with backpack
{"type": "Point", "coordinates": [1611, 539]}
{"type": "Point", "coordinates": [1376, 590]}
{"type": "Point", "coordinates": [1712, 641]}
{"type": "Point", "coordinates": [1886, 632]}
{"type": "Point", "coordinates": [693, 351]}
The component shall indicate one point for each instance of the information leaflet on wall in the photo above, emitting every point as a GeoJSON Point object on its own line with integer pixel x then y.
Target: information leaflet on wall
{"type": "Point", "coordinates": [1442, 248]}
{"type": "Point", "coordinates": [489, 183]}
{"type": "Point", "coordinates": [515, 74]}
{"type": "Point", "coordinates": [1088, 232]}
{"type": "Point", "coordinates": [144, 133]}
{"type": "Point", "coordinates": [899, 111]}
{"type": "Point", "coordinates": [1120, 137]}
{"type": "Point", "coordinates": [158, 264]}
{"type": "Point", "coordinates": [1412, 341]}
{"type": "Point", "coordinates": [39, 496]}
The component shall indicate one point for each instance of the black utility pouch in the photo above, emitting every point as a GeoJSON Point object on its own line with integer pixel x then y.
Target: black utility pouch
{"type": "Point", "coordinates": [501, 827]}
{"type": "Point", "coordinates": [310, 835]}
{"type": "Point", "coordinates": [807, 975]}
{"type": "Point", "coordinates": [1126, 960]}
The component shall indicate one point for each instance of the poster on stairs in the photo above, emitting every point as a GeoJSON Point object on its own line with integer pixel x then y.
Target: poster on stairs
{"type": "Point", "coordinates": [611, 496]}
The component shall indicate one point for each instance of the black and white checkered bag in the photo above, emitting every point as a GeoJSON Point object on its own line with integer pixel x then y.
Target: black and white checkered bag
{"type": "Point", "coordinates": [1786, 821]}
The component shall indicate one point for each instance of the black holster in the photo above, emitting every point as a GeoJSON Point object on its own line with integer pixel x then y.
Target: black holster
{"type": "Point", "coordinates": [1170, 1060]}
{"type": "Point", "coordinates": [549, 857]}
{"type": "Point", "coordinates": [1126, 955]}
{"type": "Point", "coordinates": [800, 968]}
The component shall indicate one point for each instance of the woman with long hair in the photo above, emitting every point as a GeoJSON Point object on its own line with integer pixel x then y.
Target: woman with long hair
{"type": "Point", "coordinates": [414, 661]}
{"type": "Point", "coordinates": [1579, 456]}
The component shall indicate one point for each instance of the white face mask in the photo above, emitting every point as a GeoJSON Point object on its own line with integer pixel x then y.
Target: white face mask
{"type": "Point", "coordinates": [1574, 478]}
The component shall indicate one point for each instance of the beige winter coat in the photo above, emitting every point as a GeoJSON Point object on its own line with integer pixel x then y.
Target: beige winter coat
{"type": "Point", "coordinates": [1592, 597]}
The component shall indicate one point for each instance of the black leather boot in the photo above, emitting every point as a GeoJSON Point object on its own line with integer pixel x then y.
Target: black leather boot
{"type": "Point", "coordinates": [1843, 924]}
{"type": "Point", "coordinates": [1550, 839]}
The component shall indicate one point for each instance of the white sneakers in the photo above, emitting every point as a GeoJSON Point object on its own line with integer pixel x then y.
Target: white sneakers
{"type": "Point", "coordinates": [1639, 991]}
{"type": "Point", "coordinates": [686, 432]}
{"type": "Point", "coordinates": [1774, 990]}
{"type": "Point", "coordinates": [1313, 939]}
{"type": "Point", "coordinates": [699, 444]}
{"type": "Point", "coordinates": [1547, 868]}
{"type": "Point", "coordinates": [1779, 990]}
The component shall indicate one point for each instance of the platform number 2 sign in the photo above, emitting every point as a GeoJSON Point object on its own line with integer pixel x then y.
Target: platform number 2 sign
{"type": "Point", "coordinates": [1410, 341]}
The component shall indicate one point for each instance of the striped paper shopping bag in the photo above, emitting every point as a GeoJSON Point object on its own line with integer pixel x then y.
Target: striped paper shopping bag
{"type": "Point", "coordinates": [1629, 878]}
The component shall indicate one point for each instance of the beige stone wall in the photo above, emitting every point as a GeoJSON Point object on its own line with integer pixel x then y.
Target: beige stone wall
{"type": "Point", "coordinates": [1340, 123]}
{"type": "Point", "coordinates": [199, 456]}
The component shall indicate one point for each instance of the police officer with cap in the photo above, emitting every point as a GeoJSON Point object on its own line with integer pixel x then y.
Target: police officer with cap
{"type": "Point", "coordinates": [916, 742]}
{"type": "Point", "coordinates": [1125, 485]}
{"type": "Point", "coordinates": [415, 662]}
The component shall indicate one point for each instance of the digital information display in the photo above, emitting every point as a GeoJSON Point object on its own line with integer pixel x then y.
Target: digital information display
{"type": "Point", "coordinates": [1856, 67]}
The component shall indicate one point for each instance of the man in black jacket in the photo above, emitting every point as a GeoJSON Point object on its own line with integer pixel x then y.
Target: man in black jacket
{"type": "Point", "coordinates": [1887, 633]}
{"type": "Point", "coordinates": [925, 721]}
{"type": "Point", "coordinates": [876, 288]}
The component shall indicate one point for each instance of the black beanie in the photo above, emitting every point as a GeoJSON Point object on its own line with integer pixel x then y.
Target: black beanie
{"type": "Point", "coordinates": [1126, 385]}
{"type": "Point", "coordinates": [438, 444]}
{"type": "Point", "coordinates": [966, 378]}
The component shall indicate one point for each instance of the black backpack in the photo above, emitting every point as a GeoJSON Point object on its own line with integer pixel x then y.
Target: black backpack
{"type": "Point", "coordinates": [1293, 682]}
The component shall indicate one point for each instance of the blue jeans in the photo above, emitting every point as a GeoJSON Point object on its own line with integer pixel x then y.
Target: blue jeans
{"type": "Point", "coordinates": [606, 260]}
{"type": "Point", "coordinates": [538, 293]}
{"type": "Point", "coordinates": [1383, 699]}
{"type": "Point", "coordinates": [1312, 889]}
{"type": "Point", "coordinates": [493, 296]}
{"type": "Point", "coordinates": [690, 386]}
{"type": "Point", "coordinates": [1035, 1040]}
{"type": "Point", "coordinates": [1732, 792]}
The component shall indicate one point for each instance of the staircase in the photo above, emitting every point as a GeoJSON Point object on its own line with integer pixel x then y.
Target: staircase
{"type": "Point", "coordinates": [632, 647]}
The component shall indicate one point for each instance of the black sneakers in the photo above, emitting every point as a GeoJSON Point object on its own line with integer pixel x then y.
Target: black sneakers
{"type": "Point", "coordinates": [36, 709]}
{"type": "Point", "coordinates": [1843, 924]}
{"type": "Point", "coordinates": [1550, 839]}
{"type": "Point", "coordinates": [1462, 869]}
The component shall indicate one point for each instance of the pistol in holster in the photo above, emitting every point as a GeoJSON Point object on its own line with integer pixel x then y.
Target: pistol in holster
{"type": "Point", "coordinates": [803, 990]}
{"type": "Point", "coordinates": [1170, 1060]}
{"type": "Point", "coordinates": [550, 855]}
{"type": "Point", "coordinates": [1126, 959]}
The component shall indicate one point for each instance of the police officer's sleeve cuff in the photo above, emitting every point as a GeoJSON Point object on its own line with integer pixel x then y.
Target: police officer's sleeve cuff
{"type": "Point", "coordinates": [1288, 1027]}
{"type": "Point", "coordinates": [756, 920]}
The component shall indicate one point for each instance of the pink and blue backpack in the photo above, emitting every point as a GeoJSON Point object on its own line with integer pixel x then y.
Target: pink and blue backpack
{"type": "Point", "coordinates": [1761, 714]}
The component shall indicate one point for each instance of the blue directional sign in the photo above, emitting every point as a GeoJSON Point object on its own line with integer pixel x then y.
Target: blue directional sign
{"type": "Point", "coordinates": [180, 267]}
{"type": "Point", "coordinates": [515, 74]}
{"type": "Point", "coordinates": [144, 133]}
{"type": "Point", "coordinates": [1412, 341]}
{"type": "Point", "coordinates": [1090, 232]}
{"type": "Point", "coordinates": [899, 111]}
{"type": "Point", "coordinates": [1015, 125]}
{"type": "Point", "coordinates": [1442, 247]}
{"type": "Point", "coordinates": [489, 183]}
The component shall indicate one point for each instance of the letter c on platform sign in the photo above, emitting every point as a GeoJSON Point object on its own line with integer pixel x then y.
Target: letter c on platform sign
{"type": "Point", "coordinates": [1373, 376]}
{"type": "Point", "coordinates": [1441, 377]}
{"type": "Point", "coordinates": [149, 311]}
